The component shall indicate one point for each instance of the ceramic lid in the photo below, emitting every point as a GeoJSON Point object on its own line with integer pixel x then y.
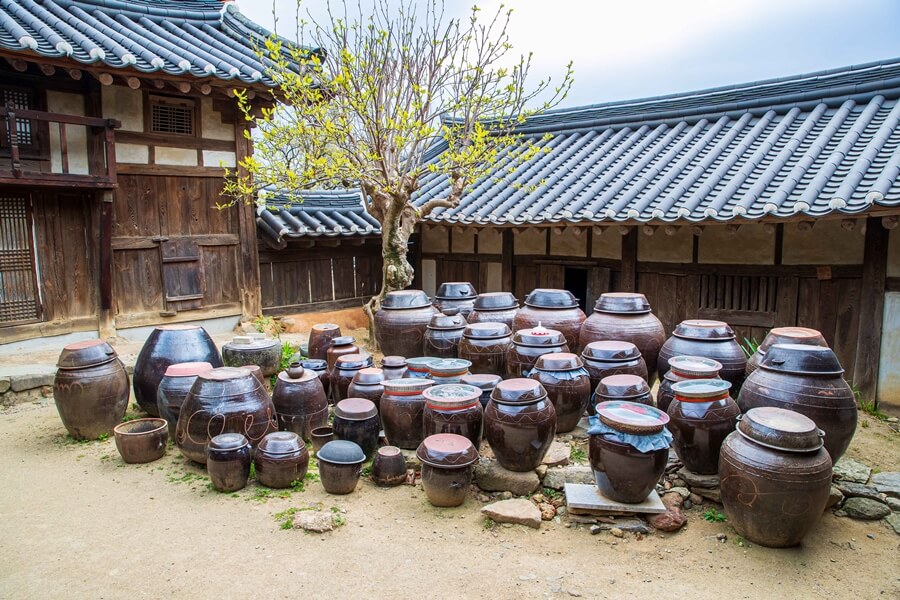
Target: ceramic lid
{"type": "Point", "coordinates": [406, 386]}
{"type": "Point", "coordinates": [482, 381]}
{"type": "Point", "coordinates": [281, 442]}
{"type": "Point", "coordinates": [369, 376]}
{"type": "Point", "coordinates": [551, 298]}
{"type": "Point", "coordinates": [632, 417]}
{"type": "Point", "coordinates": [801, 359]}
{"type": "Point", "coordinates": [343, 340]}
{"type": "Point", "coordinates": [780, 429]}
{"type": "Point", "coordinates": [558, 361]}
{"type": "Point", "coordinates": [86, 354]}
{"type": "Point", "coordinates": [447, 450]}
{"type": "Point", "coordinates": [393, 362]}
{"type": "Point", "coordinates": [448, 366]}
{"type": "Point", "coordinates": [307, 375]}
{"type": "Point", "coordinates": [622, 303]}
{"type": "Point", "coordinates": [452, 395]}
{"type": "Point", "coordinates": [486, 331]}
{"type": "Point", "coordinates": [792, 335]}
{"type": "Point", "coordinates": [611, 351]}
{"type": "Point", "coordinates": [695, 366]}
{"type": "Point", "coordinates": [403, 299]}
{"type": "Point", "coordinates": [702, 329]}
{"type": "Point", "coordinates": [518, 390]}
{"type": "Point", "coordinates": [228, 441]}
{"type": "Point", "coordinates": [539, 336]}
{"type": "Point", "coordinates": [450, 319]}
{"type": "Point", "coordinates": [420, 363]}
{"type": "Point", "coordinates": [326, 327]}
{"type": "Point", "coordinates": [496, 301]}
{"type": "Point", "coordinates": [314, 364]}
{"type": "Point", "coordinates": [251, 342]}
{"type": "Point", "coordinates": [355, 409]}
{"type": "Point", "coordinates": [341, 452]}
{"type": "Point", "coordinates": [622, 386]}
{"type": "Point", "coordinates": [226, 373]}
{"type": "Point", "coordinates": [701, 388]}
{"type": "Point", "coordinates": [187, 369]}
{"type": "Point", "coordinates": [455, 290]}
{"type": "Point", "coordinates": [354, 361]}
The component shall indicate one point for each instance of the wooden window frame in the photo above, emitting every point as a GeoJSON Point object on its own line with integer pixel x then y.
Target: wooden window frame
{"type": "Point", "coordinates": [39, 148]}
{"type": "Point", "coordinates": [151, 100]}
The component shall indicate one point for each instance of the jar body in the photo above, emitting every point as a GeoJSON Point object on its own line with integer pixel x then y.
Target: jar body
{"type": "Point", "coordinates": [321, 337]}
{"type": "Point", "coordinates": [363, 432]}
{"type": "Point", "coordinates": [698, 430]}
{"type": "Point", "coordinates": [522, 358]}
{"type": "Point", "coordinates": [565, 320]}
{"type": "Point", "coordinates": [624, 473]}
{"type": "Point", "coordinates": [598, 369]}
{"type": "Point", "coordinates": [520, 434]}
{"type": "Point", "coordinates": [170, 397]}
{"type": "Point", "coordinates": [229, 470]}
{"type": "Point", "coordinates": [265, 354]}
{"type": "Point", "coordinates": [488, 355]}
{"type": "Point", "coordinates": [402, 416]}
{"type": "Point", "coordinates": [446, 486]}
{"type": "Point", "coordinates": [339, 478]}
{"type": "Point", "coordinates": [570, 395]}
{"type": "Point", "coordinates": [394, 372]}
{"type": "Point", "coordinates": [401, 331]}
{"type": "Point", "coordinates": [341, 380]}
{"type": "Point", "coordinates": [300, 404]}
{"type": "Point", "coordinates": [91, 400]}
{"type": "Point", "coordinates": [643, 330]}
{"type": "Point", "coordinates": [467, 422]}
{"type": "Point", "coordinates": [369, 391]}
{"type": "Point", "coordinates": [279, 470]}
{"type": "Point", "coordinates": [506, 316]}
{"type": "Point", "coordinates": [442, 343]}
{"type": "Point", "coordinates": [726, 351]}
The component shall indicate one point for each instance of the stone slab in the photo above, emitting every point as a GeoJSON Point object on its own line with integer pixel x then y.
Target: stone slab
{"type": "Point", "coordinates": [887, 483]}
{"type": "Point", "coordinates": [557, 455]}
{"type": "Point", "coordinates": [847, 469]}
{"type": "Point", "coordinates": [37, 378]}
{"type": "Point", "coordinates": [696, 480]}
{"type": "Point", "coordinates": [559, 477]}
{"type": "Point", "coordinates": [587, 499]}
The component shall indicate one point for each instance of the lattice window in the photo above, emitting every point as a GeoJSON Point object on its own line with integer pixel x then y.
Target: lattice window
{"type": "Point", "coordinates": [18, 98]}
{"type": "Point", "coordinates": [756, 293]}
{"type": "Point", "coordinates": [19, 299]}
{"type": "Point", "coordinates": [170, 115]}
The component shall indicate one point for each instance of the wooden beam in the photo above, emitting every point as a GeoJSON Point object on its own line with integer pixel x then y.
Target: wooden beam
{"type": "Point", "coordinates": [133, 82]}
{"type": "Point", "coordinates": [848, 224]}
{"type": "Point", "coordinates": [733, 228]}
{"type": "Point", "coordinates": [779, 243]}
{"type": "Point", "coordinates": [649, 229]}
{"type": "Point", "coordinates": [890, 222]}
{"type": "Point", "coordinates": [48, 70]}
{"type": "Point", "coordinates": [182, 86]}
{"type": "Point", "coordinates": [204, 88]}
{"type": "Point", "coordinates": [871, 307]}
{"type": "Point", "coordinates": [159, 84]}
{"type": "Point", "coordinates": [75, 74]}
{"type": "Point", "coordinates": [507, 280]}
{"type": "Point", "coordinates": [697, 230]}
{"type": "Point", "coordinates": [671, 229]}
{"type": "Point", "coordinates": [805, 225]}
{"type": "Point", "coordinates": [104, 78]}
{"type": "Point", "coordinates": [18, 64]}
{"type": "Point", "coordinates": [628, 280]}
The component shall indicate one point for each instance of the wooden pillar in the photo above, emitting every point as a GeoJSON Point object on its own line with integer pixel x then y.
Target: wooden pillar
{"type": "Point", "coordinates": [871, 309]}
{"type": "Point", "coordinates": [628, 281]}
{"type": "Point", "coordinates": [508, 281]}
{"type": "Point", "coordinates": [107, 322]}
{"type": "Point", "coordinates": [251, 302]}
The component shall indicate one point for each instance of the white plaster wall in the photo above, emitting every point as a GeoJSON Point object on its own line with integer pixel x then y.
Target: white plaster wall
{"type": "Point", "coordinates": [893, 260]}
{"type": "Point", "coordinates": [463, 240]}
{"type": "Point", "coordinates": [827, 243]}
{"type": "Point", "coordinates": [606, 245]}
{"type": "Point", "coordinates": [185, 157]}
{"type": "Point", "coordinates": [531, 241]}
{"type": "Point", "coordinates": [211, 122]}
{"type": "Point", "coordinates": [494, 279]}
{"type": "Point", "coordinates": [429, 276]}
{"type": "Point", "coordinates": [490, 241]}
{"type": "Point", "coordinates": [659, 247]}
{"type": "Point", "coordinates": [750, 245]}
{"type": "Point", "coordinates": [124, 104]}
{"type": "Point", "coordinates": [133, 153]}
{"type": "Point", "coordinates": [216, 158]}
{"type": "Point", "coordinates": [76, 135]}
{"type": "Point", "coordinates": [435, 239]}
{"type": "Point", "coordinates": [888, 373]}
{"type": "Point", "coordinates": [568, 243]}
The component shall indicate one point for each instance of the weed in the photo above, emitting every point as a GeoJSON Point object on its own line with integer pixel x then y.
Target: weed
{"type": "Point", "coordinates": [488, 523]}
{"type": "Point", "coordinates": [268, 325]}
{"type": "Point", "coordinates": [366, 472]}
{"type": "Point", "coordinates": [337, 517]}
{"type": "Point", "coordinates": [103, 437]}
{"type": "Point", "coordinates": [298, 485]}
{"type": "Point", "coordinates": [130, 417]}
{"type": "Point", "coordinates": [867, 405]}
{"type": "Point", "coordinates": [550, 493]}
{"type": "Point", "coordinates": [252, 471]}
{"type": "Point", "coordinates": [286, 518]}
{"type": "Point", "coordinates": [864, 424]}
{"type": "Point", "coordinates": [750, 346]}
{"type": "Point", "coordinates": [713, 516]}
{"type": "Point", "coordinates": [578, 455]}
{"type": "Point", "coordinates": [310, 476]}
{"type": "Point", "coordinates": [288, 351]}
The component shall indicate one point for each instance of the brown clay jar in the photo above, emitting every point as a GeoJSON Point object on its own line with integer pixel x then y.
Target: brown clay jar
{"type": "Point", "coordinates": [568, 387]}
{"type": "Point", "coordinates": [519, 424]}
{"type": "Point", "coordinates": [393, 367]}
{"type": "Point", "coordinates": [485, 383]}
{"type": "Point", "coordinates": [320, 368]}
{"type": "Point", "coordinates": [605, 358]}
{"type": "Point", "coordinates": [281, 459]}
{"type": "Point", "coordinates": [228, 459]}
{"type": "Point", "coordinates": [321, 336]}
{"type": "Point", "coordinates": [401, 322]}
{"type": "Point", "coordinates": [784, 335]}
{"type": "Point", "coordinates": [629, 388]}
{"type": "Point", "coordinates": [174, 388]}
{"type": "Point", "coordinates": [702, 414]}
{"type": "Point", "coordinates": [709, 339]}
{"type": "Point", "coordinates": [367, 383]}
{"type": "Point", "coordinates": [486, 345]}
{"type": "Point", "coordinates": [454, 408]}
{"type": "Point", "coordinates": [455, 295]}
{"type": "Point", "coordinates": [447, 461]}
{"type": "Point", "coordinates": [300, 403]}
{"type": "Point", "coordinates": [529, 344]}
{"type": "Point", "coordinates": [403, 410]}
{"type": "Point", "coordinates": [340, 346]}
{"type": "Point", "coordinates": [345, 369]}
{"type": "Point", "coordinates": [443, 334]}
{"type": "Point", "coordinates": [246, 350]}
{"type": "Point", "coordinates": [554, 309]}
{"type": "Point", "coordinates": [684, 368]}
{"type": "Point", "coordinates": [495, 307]}
{"type": "Point", "coordinates": [356, 420]}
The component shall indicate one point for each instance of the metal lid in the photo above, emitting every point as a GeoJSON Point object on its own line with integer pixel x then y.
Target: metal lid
{"type": "Point", "coordinates": [702, 389]}
{"type": "Point", "coordinates": [355, 409]}
{"type": "Point", "coordinates": [452, 396]}
{"type": "Point", "coordinates": [622, 303]}
{"type": "Point", "coordinates": [405, 299]}
{"type": "Point", "coordinates": [88, 353]}
{"type": "Point", "coordinates": [703, 329]}
{"type": "Point", "coordinates": [622, 386]}
{"type": "Point", "coordinates": [406, 386]}
{"type": "Point", "coordinates": [780, 429]}
{"type": "Point", "coordinates": [456, 290]}
{"type": "Point", "coordinates": [551, 298]}
{"type": "Point", "coordinates": [538, 337]}
{"type": "Point", "coordinates": [496, 301]}
{"type": "Point", "coordinates": [632, 417]}
{"type": "Point", "coordinates": [486, 331]}
{"type": "Point", "coordinates": [341, 452]}
{"type": "Point", "coordinates": [449, 366]}
{"type": "Point", "coordinates": [448, 320]}
{"type": "Point", "coordinates": [611, 351]}
{"type": "Point", "coordinates": [393, 362]}
{"type": "Point", "coordinates": [518, 391]}
{"type": "Point", "coordinates": [800, 359]}
{"type": "Point", "coordinates": [279, 443]}
{"type": "Point", "coordinates": [187, 369]}
{"type": "Point", "coordinates": [792, 335]}
{"type": "Point", "coordinates": [343, 340]}
{"type": "Point", "coordinates": [226, 374]}
{"type": "Point", "coordinates": [483, 381]}
{"type": "Point", "coordinates": [369, 376]}
{"type": "Point", "coordinates": [354, 361]}
{"type": "Point", "coordinates": [447, 450]}
{"type": "Point", "coordinates": [228, 441]}
{"type": "Point", "coordinates": [558, 361]}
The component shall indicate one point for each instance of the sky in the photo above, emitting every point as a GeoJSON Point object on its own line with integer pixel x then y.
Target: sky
{"type": "Point", "coordinates": [638, 48]}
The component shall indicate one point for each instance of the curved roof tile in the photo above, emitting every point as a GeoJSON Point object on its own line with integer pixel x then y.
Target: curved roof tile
{"type": "Point", "coordinates": [322, 213]}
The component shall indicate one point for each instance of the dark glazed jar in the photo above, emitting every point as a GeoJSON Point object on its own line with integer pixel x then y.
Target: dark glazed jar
{"type": "Point", "coordinates": [775, 476]}
{"type": "Point", "coordinates": [281, 459]}
{"type": "Point", "coordinates": [486, 345]}
{"type": "Point", "coordinates": [401, 322]}
{"type": "Point", "coordinates": [300, 403]}
{"type": "Point", "coordinates": [519, 424]}
{"type": "Point", "coordinates": [90, 389]}
{"type": "Point", "coordinates": [625, 317]}
{"type": "Point", "coordinates": [530, 344]}
{"type": "Point", "coordinates": [808, 380]}
{"type": "Point", "coordinates": [246, 350]}
{"type": "Point", "coordinates": [485, 383]}
{"type": "Point", "coordinates": [223, 400]}
{"type": "Point", "coordinates": [356, 420]}
{"type": "Point", "coordinates": [554, 309]}
{"type": "Point", "coordinates": [168, 345]}
{"type": "Point", "coordinates": [393, 367]}
{"type": "Point", "coordinates": [629, 388]}
{"type": "Point", "coordinates": [447, 461]}
{"type": "Point", "coordinates": [495, 307]}
{"type": "Point", "coordinates": [345, 369]}
{"type": "Point", "coordinates": [448, 370]}
{"type": "Point", "coordinates": [340, 346]}
{"type": "Point", "coordinates": [568, 386]}
{"type": "Point", "coordinates": [228, 458]}
{"type": "Point", "coordinates": [454, 408]}
{"type": "Point", "coordinates": [784, 335]}
{"type": "Point", "coordinates": [417, 368]}
{"type": "Point", "coordinates": [458, 295]}
{"type": "Point", "coordinates": [388, 467]}
{"type": "Point", "coordinates": [605, 358]}
{"type": "Point", "coordinates": [628, 449]}
{"type": "Point", "coordinates": [709, 339]}
{"type": "Point", "coordinates": [320, 368]}
{"type": "Point", "coordinates": [321, 337]}
{"type": "Point", "coordinates": [340, 464]}
{"type": "Point", "coordinates": [700, 418]}
{"type": "Point", "coordinates": [174, 388]}
{"type": "Point", "coordinates": [403, 410]}
{"type": "Point", "coordinates": [443, 334]}
{"type": "Point", "coordinates": [684, 368]}
{"type": "Point", "coordinates": [367, 383]}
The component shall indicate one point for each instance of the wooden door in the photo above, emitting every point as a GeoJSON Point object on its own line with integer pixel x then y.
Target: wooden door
{"type": "Point", "coordinates": [458, 270]}
{"type": "Point", "coordinates": [19, 295]}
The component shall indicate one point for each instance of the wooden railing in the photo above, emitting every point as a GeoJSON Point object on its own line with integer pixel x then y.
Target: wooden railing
{"type": "Point", "coordinates": [16, 168]}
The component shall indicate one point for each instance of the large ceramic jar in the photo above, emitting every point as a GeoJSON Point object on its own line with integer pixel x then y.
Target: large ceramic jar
{"type": "Point", "coordinates": [356, 420]}
{"type": "Point", "coordinates": [495, 307]}
{"type": "Point", "coordinates": [625, 317]}
{"type": "Point", "coordinates": [486, 345]}
{"type": "Point", "coordinates": [246, 350]}
{"type": "Point", "coordinates": [321, 336]}
{"type": "Point", "coordinates": [401, 322]}
{"type": "Point", "coordinates": [417, 367]}
{"type": "Point", "coordinates": [168, 345]}
{"type": "Point", "coordinates": [454, 408]}
{"type": "Point", "coordinates": [281, 459]}
{"type": "Point", "coordinates": [808, 380]}
{"type": "Point", "coordinates": [174, 388]}
{"type": "Point", "coordinates": [223, 400]}
{"type": "Point", "coordinates": [701, 416]}
{"type": "Point", "coordinates": [448, 370]}
{"type": "Point", "coordinates": [458, 295]}
{"type": "Point", "coordinates": [320, 368]}
{"type": "Point", "coordinates": [709, 339]}
{"type": "Point", "coordinates": [774, 476]}
{"type": "Point", "coordinates": [367, 383]}
{"type": "Point", "coordinates": [300, 403]}
{"type": "Point", "coordinates": [568, 386]}
{"type": "Point", "coordinates": [402, 411]}
{"type": "Point", "coordinates": [684, 368]}
{"type": "Point", "coordinates": [605, 358]}
{"type": "Point", "coordinates": [393, 367]}
{"type": "Point", "coordinates": [345, 369]}
{"type": "Point", "coordinates": [629, 388]}
{"type": "Point", "coordinates": [553, 309]}
{"type": "Point", "coordinates": [90, 389]}
{"type": "Point", "coordinates": [530, 344]}
{"type": "Point", "coordinates": [228, 460]}
{"type": "Point", "coordinates": [519, 424]}
{"type": "Point", "coordinates": [784, 335]}
{"type": "Point", "coordinates": [443, 334]}
{"type": "Point", "coordinates": [484, 382]}
{"type": "Point", "coordinates": [447, 461]}
{"type": "Point", "coordinates": [340, 346]}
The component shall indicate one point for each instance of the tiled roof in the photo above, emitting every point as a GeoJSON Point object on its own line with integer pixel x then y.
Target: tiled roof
{"type": "Point", "coordinates": [809, 145]}
{"type": "Point", "coordinates": [199, 38]}
{"type": "Point", "coordinates": [323, 213]}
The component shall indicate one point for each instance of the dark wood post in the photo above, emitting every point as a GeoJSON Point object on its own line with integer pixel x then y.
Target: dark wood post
{"type": "Point", "coordinates": [628, 281]}
{"type": "Point", "coordinates": [508, 279]}
{"type": "Point", "coordinates": [871, 309]}
{"type": "Point", "coordinates": [251, 302]}
{"type": "Point", "coordinates": [107, 324]}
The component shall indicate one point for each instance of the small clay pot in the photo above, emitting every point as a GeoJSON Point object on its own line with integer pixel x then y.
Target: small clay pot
{"type": "Point", "coordinates": [393, 367]}
{"type": "Point", "coordinates": [321, 337]}
{"type": "Point", "coordinates": [356, 420]}
{"type": "Point", "coordinates": [486, 345]}
{"type": "Point", "coordinates": [447, 461]}
{"type": "Point", "coordinates": [228, 458]}
{"type": "Point", "coordinates": [630, 388]}
{"type": "Point", "coordinates": [367, 383]}
{"type": "Point", "coordinates": [389, 467]}
{"type": "Point", "coordinates": [295, 370]}
{"type": "Point", "coordinates": [281, 459]}
{"type": "Point", "coordinates": [142, 440]}
{"type": "Point", "coordinates": [340, 464]}
{"type": "Point", "coordinates": [321, 436]}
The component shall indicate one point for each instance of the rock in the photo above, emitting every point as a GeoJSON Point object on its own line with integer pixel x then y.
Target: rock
{"type": "Point", "coordinates": [246, 327]}
{"type": "Point", "coordinates": [538, 498]}
{"type": "Point", "coordinates": [30, 381]}
{"type": "Point", "coordinates": [558, 477]}
{"type": "Point", "coordinates": [491, 477]}
{"type": "Point", "coordinates": [688, 505]}
{"type": "Point", "coordinates": [695, 498]}
{"type": "Point", "coordinates": [722, 537]}
{"type": "Point", "coordinates": [517, 511]}
{"type": "Point", "coordinates": [483, 498]}
{"type": "Point", "coordinates": [893, 503]}
{"type": "Point", "coordinates": [858, 490]}
{"type": "Point", "coordinates": [505, 495]}
{"type": "Point", "coordinates": [411, 461]}
{"type": "Point", "coordinates": [887, 483]}
{"type": "Point", "coordinates": [847, 469]}
{"type": "Point", "coordinates": [575, 593]}
{"type": "Point", "coordinates": [318, 521]}
{"type": "Point", "coordinates": [581, 431]}
{"type": "Point", "coordinates": [865, 508]}
{"type": "Point", "coordinates": [541, 471]}
{"type": "Point", "coordinates": [548, 511]}
{"type": "Point", "coordinates": [557, 455]}
{"type": "Point", "coordinates": [4, 385]}
{"type": "Point", "coordinates": [835, 497]}
{"type": "Point", "coordinates": [617, 532]}
{"type": "Point", "coordinates": [682, 491]}
{"type": "Point", "coordinates": [701, 481]}
{"type": "Point", "coordinates": [625, 525]}
{"type": "Point", "coordinates": [671, 520]}
{"type": "Point", "coordinates": [595, 529]}
{"type": "Point", "coordinates": [672, 500]}
{"type": "Point", "coordinates": [710, 494]}
{"type": "Point", "coordinates": [893, 521]}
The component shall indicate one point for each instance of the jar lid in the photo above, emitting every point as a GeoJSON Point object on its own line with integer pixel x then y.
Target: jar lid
{"type": "Point", "coordinates": [369, 376]}
{"type": "Point", "coordinates": [792, 335]}
{"type": "Point", "coordinates": [483, 381]}
{"type": "Point", "coordinates": [780, 429]}
{"type": "Point", "coordinates": [702, 389]}
{"type": "Point", "coordinates": [455, 290]}
{"type": "Point", "coordinates": [228, 441]}
{"type": "Point", "coordinates": [420, 363]}
{"type": "Point", "coordinates": [280, 443]}
{"type": "Point", "coordinates": [518, 391]}
{"type": "Point", "coordinates": [486, 331]}
{"type": "Point", "coordinates": [632, 417]}
{"type": "Point", "coordinates": [354, 361]}
{"type": "Point", "coordinates": [800, 359]}
{"type": "Point", "coordinates": [703, 329]}
{"type": "Point", "coordinates": [622, 386]}
{"type": "Point", "coordinates": [452, 396]}
{"type": "Point", "coordinates": [496, 301]}
{"type": "Point", "coordinates": [314, 364]}
{"type": "Point", "coordinates": [558, 361]}
{"type": "Point", "coordinates": [447, 450]}
{"type": "Point", "coordinates": [538, 337]}
{"type": "Point", "coordinates": [551, 298]}
{"type": "Point", "coordinates": [405, 387]}
{"type": "Point", "coordinates": [622, 303]}
{"type": "Point", "coordinates": [326, 327]}
{"type": "Point", "coordinates": [355, 409]}
{"type": "Point", "coordinates": [447, 321]}
{"type": "Point", "coordinates": [611, 351]}
{"type": "Point", "coordinates": [341, 452]}
{"type": "Point", "coordinates": [343, 340]}
{"type": "Point", "coordinates": [695, 366]}
{"type": "Point", "coordinates": [187, 369]}
{"type": "Point", "coordinates": [393, 362]}
{"type": "Point", "coordinates": [404, 299]}
{"type": "Point", "coordinates": [449, 366]}
{"type": "Point", "coordinates": [177, 327]}
{"type": "Point", "coordinates": [246, 342]}
{"type": "Point", "coordinates": [307, 375]}
{"type": "Point", "coordinates": [88, 353]}
{"type": "Point", "coordinates": [226, 373]}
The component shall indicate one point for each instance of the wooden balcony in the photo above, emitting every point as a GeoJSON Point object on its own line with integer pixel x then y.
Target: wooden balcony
{"type": "Point", "coordinates": [39, 148]}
